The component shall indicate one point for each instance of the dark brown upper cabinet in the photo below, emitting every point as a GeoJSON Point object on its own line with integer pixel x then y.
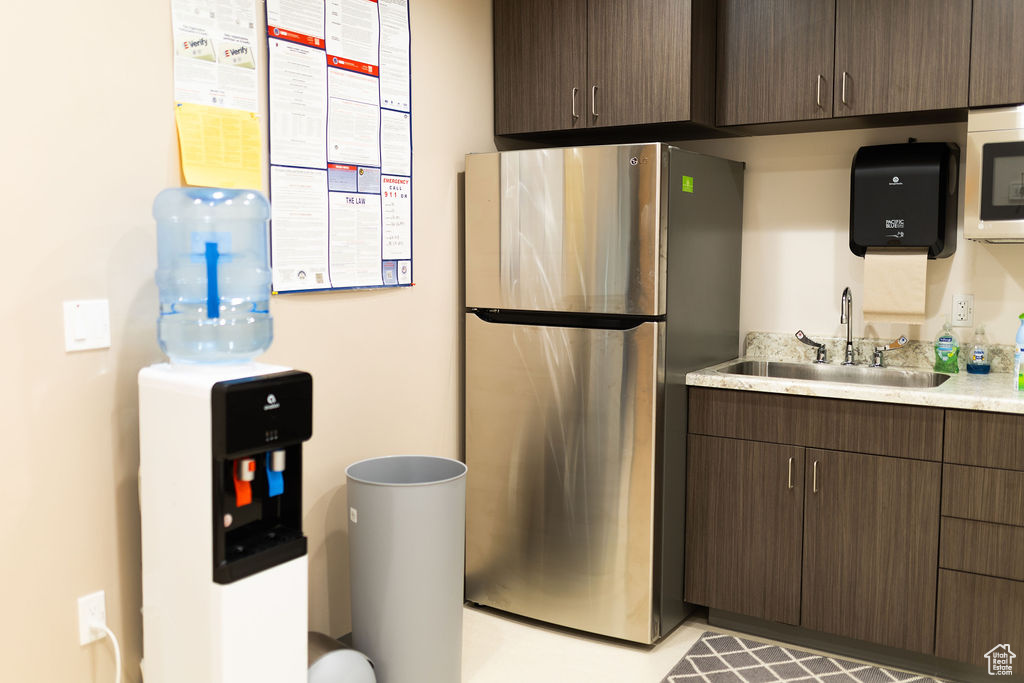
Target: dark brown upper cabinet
{"type": "Point", "coordinates": [775, 60]}
{"type": "Point", "coordinates": [651, 61]}
{"type": "Point", "coordinates": [540, 65]}
{"type": "Point", "coordinates": [901, 56]}
{"type": "Point", "coordinates": [997, 53]}
{"type": "Point", "coordinates": [577, 64]}
{"type": "Point", "coordinates": [806, 60]}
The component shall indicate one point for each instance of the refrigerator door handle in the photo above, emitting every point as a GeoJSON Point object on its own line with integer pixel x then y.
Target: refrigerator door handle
{"type": "Point", "coordinates": [596, 321]}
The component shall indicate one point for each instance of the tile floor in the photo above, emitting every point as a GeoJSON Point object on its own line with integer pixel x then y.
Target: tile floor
{"type": "Point", "coordinates": [502, 649]}
{"type": "Point", "coordinates": [499, 648]}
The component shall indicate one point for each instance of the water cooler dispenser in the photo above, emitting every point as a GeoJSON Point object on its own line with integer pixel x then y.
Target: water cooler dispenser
{"type": "Point", "coordinates": [224, 571]}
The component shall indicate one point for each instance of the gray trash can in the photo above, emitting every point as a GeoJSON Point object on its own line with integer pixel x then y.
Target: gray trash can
{"type": "Point", "coordinates": [407, 541]}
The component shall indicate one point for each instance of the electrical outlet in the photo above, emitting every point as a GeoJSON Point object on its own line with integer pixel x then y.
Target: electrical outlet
{"type": "Point", "coordinates": [963, 310]}
{"type": "Point", "coordinates": [92, 609]}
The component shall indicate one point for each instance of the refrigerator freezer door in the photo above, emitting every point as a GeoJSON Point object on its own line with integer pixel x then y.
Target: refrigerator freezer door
{"type": "Point", "coordinates": [577, 229]}
{"type": "Point", "coordinates": [561, 428]}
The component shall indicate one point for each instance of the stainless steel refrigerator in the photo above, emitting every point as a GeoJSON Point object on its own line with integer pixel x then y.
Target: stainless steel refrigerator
{"type": "Point", "coordinates": [596, 277]}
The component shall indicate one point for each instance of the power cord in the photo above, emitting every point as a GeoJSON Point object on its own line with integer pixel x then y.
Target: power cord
{"type": "Point", "coordinates": [117, 649]}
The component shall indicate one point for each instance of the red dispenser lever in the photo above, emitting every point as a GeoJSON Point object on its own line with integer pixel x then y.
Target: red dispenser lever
{"type": "Point", "coordinates": [243, 472]}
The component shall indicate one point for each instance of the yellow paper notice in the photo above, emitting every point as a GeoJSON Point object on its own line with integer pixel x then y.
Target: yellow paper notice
{"type": "Point", "coordinates": [219, 147]}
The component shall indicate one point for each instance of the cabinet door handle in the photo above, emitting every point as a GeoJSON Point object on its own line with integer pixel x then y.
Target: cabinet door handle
{"type": "Point", "coordinates": [843, 96]}
{"type": "Point", "coordinates": [575, 115]}
{"type": "Point", "coordinates": [593, 101]}
{"type": "Point", "coordinates": [817, 96]}
{"type": "Point", "coordinates": [814, 485]}
{"type": "Point", "coordinates": [789, 476]}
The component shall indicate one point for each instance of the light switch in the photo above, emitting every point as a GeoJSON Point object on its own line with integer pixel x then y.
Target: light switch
{"type": "Point", "coordinates": [86, 324]}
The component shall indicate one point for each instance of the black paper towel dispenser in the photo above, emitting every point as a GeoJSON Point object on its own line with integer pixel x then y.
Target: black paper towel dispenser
{"type": "Point", "coordinates": [905, 195]}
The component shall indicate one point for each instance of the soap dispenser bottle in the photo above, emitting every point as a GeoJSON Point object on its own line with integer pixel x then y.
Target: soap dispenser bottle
{"type": "Point", "coordinates": [947, 350]}
{"type": "Point", "coordinates": [977, 361]}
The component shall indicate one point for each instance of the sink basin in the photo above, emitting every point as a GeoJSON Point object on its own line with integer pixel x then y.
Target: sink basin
{"type": "Point", "coordinates": [847, 374]}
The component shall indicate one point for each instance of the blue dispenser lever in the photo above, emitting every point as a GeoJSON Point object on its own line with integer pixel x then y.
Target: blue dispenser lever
{"type": "Point", "coordinates": [275, 478]}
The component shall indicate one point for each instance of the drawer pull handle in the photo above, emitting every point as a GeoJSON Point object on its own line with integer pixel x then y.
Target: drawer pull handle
{"type": "Point", "coordinates": [593, 101]}
{"type": "Point", "coordinates": [814, 486]}
{"type": "Point", "coordinates": [790, 475]}
{"type": "Point", "coordinates": [575, 114]}
{"type": "Point", "coordinates": [817, 97]}
{"type": "Point", "coordinates": [843, 97]}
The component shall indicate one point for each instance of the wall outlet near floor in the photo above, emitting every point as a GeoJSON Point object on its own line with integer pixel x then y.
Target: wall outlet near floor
{"type": "Point", "coordinates": [92, 609]}
{"type": "Point", "coordinates": [963, 310]}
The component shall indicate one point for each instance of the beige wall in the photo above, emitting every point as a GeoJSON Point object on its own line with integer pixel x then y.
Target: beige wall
{"type": "Point", "coordinates": [796, 255]}
{"type": "Point", "coordinates": [88, 140]}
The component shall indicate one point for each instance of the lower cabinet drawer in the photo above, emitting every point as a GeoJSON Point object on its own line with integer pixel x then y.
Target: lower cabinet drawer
{"type": "Point", "coordinates": [982, 548]}
{"type": "Point", "coordinates": [901, 431]}
{"type": "Point", "coordinates": [975, 614]}
{"type": "Point", "coordinates": [985, 439]}
{"type": "Point", "coordinates": [983, 494]}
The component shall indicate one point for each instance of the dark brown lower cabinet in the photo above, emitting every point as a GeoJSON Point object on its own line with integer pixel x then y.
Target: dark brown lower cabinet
{"type": "Point", "coordinates": [977, 613]}
{"type": "Point", "coordinates": [820, 513]}
{"type": "Point", "coordinates": [871, 544]}
{"type": "Point", "coordinates": [744, 517]}
{"type": "Point", "coordinates": [981, 560]}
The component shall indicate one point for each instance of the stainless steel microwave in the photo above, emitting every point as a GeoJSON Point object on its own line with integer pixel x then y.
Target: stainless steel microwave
{"type": "Point", "coordinates": [994, 187]}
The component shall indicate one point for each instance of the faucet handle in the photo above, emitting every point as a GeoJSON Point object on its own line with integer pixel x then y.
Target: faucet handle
{"type": "Point", "coordinates": [893, 345]}
{"type": "Point", "coordinates": [876, 359]}
{"type": "Point", "coordinates": [820, 357]}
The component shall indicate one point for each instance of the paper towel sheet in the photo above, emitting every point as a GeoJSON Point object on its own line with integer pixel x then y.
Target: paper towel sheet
{"type": "Point", "coordinates": [895, 285]}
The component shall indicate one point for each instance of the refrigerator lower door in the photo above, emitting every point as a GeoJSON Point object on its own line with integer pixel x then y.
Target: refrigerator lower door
{"type": "Point", "coordinates": [561, 436]}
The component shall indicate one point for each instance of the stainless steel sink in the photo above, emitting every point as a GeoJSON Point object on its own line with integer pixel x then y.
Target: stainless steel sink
{"type": "Point", "coordinates": [847, 374]}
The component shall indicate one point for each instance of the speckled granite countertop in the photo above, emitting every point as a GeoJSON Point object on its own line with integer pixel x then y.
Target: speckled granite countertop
{"type": "Point", "coordinates": [993, 392]}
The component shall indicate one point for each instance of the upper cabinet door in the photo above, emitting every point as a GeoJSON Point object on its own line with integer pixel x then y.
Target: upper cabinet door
{"type": "Point", "coordinates": [540, 65]}
{"type": "Point", "coordinates": [901, 55]}
{"type": "Point", "coordinates": [997, 53]}
{"type": "Point", "coordinates": [775, 60]}
{"type": "Point", "coordinates": [641, 58]}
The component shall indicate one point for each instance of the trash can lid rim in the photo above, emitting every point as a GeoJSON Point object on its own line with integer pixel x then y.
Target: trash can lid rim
{"type": "Point", "coordinates": [448, 462]}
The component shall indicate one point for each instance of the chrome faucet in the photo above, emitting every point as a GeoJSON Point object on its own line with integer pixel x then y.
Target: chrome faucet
{"type": "Point", "coordinates": [846, 307]}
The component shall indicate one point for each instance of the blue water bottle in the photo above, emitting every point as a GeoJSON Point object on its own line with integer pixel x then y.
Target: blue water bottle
{"type": "Point", "coordinates": [213, 274]}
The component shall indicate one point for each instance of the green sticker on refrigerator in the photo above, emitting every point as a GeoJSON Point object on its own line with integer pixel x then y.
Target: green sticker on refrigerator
{"type": "Point", "coordinates": [687, 184]}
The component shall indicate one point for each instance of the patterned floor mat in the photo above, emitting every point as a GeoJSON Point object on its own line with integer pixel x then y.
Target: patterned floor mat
{"type": "Point", "coordinates": [720, 658]}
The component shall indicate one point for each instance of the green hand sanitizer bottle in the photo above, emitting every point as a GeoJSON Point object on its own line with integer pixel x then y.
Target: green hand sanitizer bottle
{"type": "Point", "coordinates": [947, 351]}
